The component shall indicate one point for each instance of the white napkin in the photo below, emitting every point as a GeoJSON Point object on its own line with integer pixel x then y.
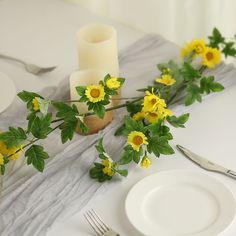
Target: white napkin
{"type": "Point", "coordinates": [33, 201]}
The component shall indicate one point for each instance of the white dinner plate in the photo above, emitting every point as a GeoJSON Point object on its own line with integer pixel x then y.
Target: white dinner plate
{"type": "Point", "coordinates": [7, 92]}
{"type": "Point", "coordinates": [180, 203]}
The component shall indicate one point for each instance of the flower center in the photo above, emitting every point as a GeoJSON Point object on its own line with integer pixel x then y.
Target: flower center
{"type": "Point", "coordinates": [199, 49]}
{"type": "Point", "coordinates": [152, 114]}
{"type": "Point", "coordinates": [138, 140]}
{"type": "Point", "coordinates": [209, 56]}
{"type": "Point", "coordinates": [154, 101]}
{"type": "Point", "coordinates": [95, 93]}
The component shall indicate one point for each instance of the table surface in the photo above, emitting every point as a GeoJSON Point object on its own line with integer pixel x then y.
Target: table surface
{"type": "Point", "coordinates": [50, 40]}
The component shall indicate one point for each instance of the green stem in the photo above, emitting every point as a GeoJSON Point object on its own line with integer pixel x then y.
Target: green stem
{"type": "Point", "coordinates": [115, 107]}
{"type": "Point", "coordinates": [124, 98]}
{"type": "Point", "coordinates": [32, 141]}
{"type": "Point", "coordinates": [61, 119]}
{"type": "Point", "coordinates": [182, 87]}
{"type": "Point", "coordinates": [108, 109]}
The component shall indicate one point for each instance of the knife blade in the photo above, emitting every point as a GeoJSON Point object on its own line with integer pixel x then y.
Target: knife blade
{"type": "Point", "coordinates": [206, 164]}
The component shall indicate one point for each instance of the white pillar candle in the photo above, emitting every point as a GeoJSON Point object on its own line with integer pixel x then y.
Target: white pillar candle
{"type": "Point", "coordinates": [84, 78]}
{"type": "Point", "coordinates": [97, 48]}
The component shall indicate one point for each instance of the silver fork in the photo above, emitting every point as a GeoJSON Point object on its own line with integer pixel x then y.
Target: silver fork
{"type": "Point", "coordinates": [98, 225]}
{"type": "Point", "coordinates": [31, 68]}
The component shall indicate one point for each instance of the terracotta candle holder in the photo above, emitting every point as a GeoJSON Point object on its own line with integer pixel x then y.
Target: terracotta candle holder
{"type": "Point", "coordinates": [84, 78]}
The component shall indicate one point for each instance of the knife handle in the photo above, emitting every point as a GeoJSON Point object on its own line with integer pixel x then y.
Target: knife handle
{"type": "Point", "coordinates": [231, 173]}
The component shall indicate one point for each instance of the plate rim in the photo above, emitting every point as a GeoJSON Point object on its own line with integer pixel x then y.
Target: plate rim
{"type": "Point", "coordinates": [13, 97]}
{"type": "Point", "coordinates": [187, 171]}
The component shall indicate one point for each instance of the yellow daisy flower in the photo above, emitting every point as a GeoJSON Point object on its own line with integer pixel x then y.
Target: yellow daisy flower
{"type": "Point", "coordinates": [108, 167]}
{"type": "Point", "coordinates": [152, 102]}
{"type": "Point", "coordinates": [1, 159]}
{"type": "Point", "coordinates": [166, 112]}
{"type": "Point", "coordinates": [166, 79]}
{"type": "Point", "coordinates": [107, 163]}
{"type": "Point", "coordinates": [138, 116]}
{"type": "Point", "coordinates": [35, 104]}
{"type": "Point", "coordinates": [9, 151]}
{"type": "Point", "coordinates": [95, 93]}
{"type": "Point", "coordinates": [146, 162]}
{"type": "Point", "coordinates": [211, 57]}
{"type": "Point", "coordinates": [197, 45]}
{"type": "Point", "coordinates": [113, 83]}
{"type": "Point", "coordinates": [137, 139]}
{"type": "Point", "coordinates": [152, 117]}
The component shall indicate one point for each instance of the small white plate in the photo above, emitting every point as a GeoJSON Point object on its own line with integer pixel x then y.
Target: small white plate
{"type": "Point", "coordinates": [7, 92]}
{"type": "Point", "coordinates": [180, 203]}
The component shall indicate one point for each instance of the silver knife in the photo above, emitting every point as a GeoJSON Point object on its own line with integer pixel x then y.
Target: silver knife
{"type": "Point", "coordinates": [205, 164]}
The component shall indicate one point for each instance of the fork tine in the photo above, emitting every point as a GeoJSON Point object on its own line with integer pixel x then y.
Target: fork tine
{"type": "Point", "coordinates": [100, 219]}
{"type": "Point", "coordinates": [92, 225]}
{"type": "Point", "coordinates": [96, 222]}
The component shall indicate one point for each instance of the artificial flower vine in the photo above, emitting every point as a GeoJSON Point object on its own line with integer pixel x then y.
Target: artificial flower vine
{"type": "Point", "coordinates": [146, 124]}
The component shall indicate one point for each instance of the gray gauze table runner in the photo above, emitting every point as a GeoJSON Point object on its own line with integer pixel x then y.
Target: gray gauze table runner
{"type": "Point", "coordinates": [31, 201]}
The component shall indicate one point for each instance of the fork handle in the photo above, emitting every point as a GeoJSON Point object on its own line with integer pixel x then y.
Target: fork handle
{"type": "Point", "coordinates": [231, 173]}
{"type": "Point", "coordinates": [12, 58]}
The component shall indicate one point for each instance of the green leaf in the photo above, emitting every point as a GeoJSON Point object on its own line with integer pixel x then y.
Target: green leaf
{"type": "Point", "coordinates": [133, 108]}
{"type": "Point", "coordinates": [31, 117]}
{"type": "Point", "coordinates": [154, 128]}
{"type": "Point", "coordinates": [178, 121]}
{"type": "Point", "coordinates": [83, 128]}
{"type": "Point", "coordinates": [83, 99]}
{"type": "Point", "coordinates": [189, 72]}
{"type": "Point", "coordinates": [67, 129]}
{"type": "Point", "coordinates": [14, 137]}
{"type": "Point", "coordinates": [64, 110]}
{"type": "Point", "coordinates": [81, 90]}
{"type": "Point", "coordinates": [121, 131]}
{"type": "Point", "coordinates": [121, 80]}
{"type": "Point", "coordinates": [111, 92]}
{"type": "Point", "coordinates": [122, 172]}
{"type": "Point", "coordinates": [106, 78]}
{"type": "Point", "coordinates": [217, 87]}
{"type": "Point", "coordinates": [99, 110]}
{"type": "Point", "coordinates": [229, 49]}
{"type": "Point", "coordinates": [97, 173]}
{"type": "Point", "coordinates": [99, 146]}
{"type": "Point", "coordinates": [132, 125]}
{"type": "Point", "coordinates": [193, 94]}
{"type": "Point", "coordinates": [208, 84]}
{"type": "Point", "coordinates": [36, 156]}
{"type": "Point", "coordinates": [137, 155]}
{"type": "Point", "coordinates": [162, 66]}
{"type": "Point", "coordinates": [216, 38]}
{"type": "Point", "coordinates": [127, 156]}
{"type": "Point", "coordinates": [28, 96]}
{"type": "Point", "coordinates": [102, 156]}
{"type": "Point", "coordinates": [40, 127]}
{"type": "Point", "coordinates": [165, 131]}
{"type": "Point", "coordinates": [2, 169]}
{"type": "Point", "coordinates": [159, 145]}
{"type": "Point", "coordinates": [130, 154]}
{"type": "Point", "coordinates": [94, 172]}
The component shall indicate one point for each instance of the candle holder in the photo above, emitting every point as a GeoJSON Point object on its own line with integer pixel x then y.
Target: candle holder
{"type": "Point", "coordinates": [84, 78]}
{"type": "Point", "coordinates": [97, 48]}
